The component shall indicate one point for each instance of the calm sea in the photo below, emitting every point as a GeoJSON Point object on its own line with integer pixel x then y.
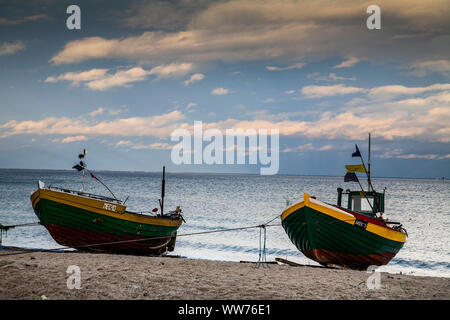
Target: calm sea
{"type": "Point", "coordinates": [222, 201]}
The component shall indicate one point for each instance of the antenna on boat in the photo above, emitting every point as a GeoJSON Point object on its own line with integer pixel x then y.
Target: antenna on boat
{"type": "Point", "coordinates": [163, 187]}
{"type": "Point", "coordinates": [366, 169]}
{"type": "Point", "coordinates": [81, 166]}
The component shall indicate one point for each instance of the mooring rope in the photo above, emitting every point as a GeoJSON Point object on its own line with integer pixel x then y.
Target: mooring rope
{"type": "Point", "coordinates": [262, 250]}
{"type": "Point", "coordinates": [6, 228]}
{"type": "Point", "coordinates": [25, 251]}
{"type": "Point", "coordinates": [262, 257]}
{"type": "Point", "coordinates": [262, 238]}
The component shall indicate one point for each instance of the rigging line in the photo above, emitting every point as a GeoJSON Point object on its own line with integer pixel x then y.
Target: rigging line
{"type": "Point", "coordinates": [2, 227]}
{"type": "Point", "coordinates": [154, 238]}
{"type": "Point", "coordinates": [277, 216]}
{"type": "Point", "coordinates": [131, 240]}
{"type": "Point", "coordinates": [364, 194]}
{"type": "Point", "coordinates": [94, 177]}
{"type": "Point", "coordinates": [24, 251]}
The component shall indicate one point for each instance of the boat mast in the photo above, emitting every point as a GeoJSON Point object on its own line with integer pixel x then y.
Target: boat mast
{"type": "Point", "coordinates": [163, 187]}
{"type": "Point", "coordinates": [81, 166]}
{"type": "Point", "coordinates": [368, 165]}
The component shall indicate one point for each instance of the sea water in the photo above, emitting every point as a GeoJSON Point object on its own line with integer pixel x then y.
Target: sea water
{"type": "Point", "coordinates": [212, 202]}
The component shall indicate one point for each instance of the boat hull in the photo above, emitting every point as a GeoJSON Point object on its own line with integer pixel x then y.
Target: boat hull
{"type": "Point", "coordinates": [84, 224]}
{"type": "Point", "coordinates": [329, 235]}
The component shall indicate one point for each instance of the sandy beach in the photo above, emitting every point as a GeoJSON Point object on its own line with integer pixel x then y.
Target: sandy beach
{"type": "Point", "coordinates": [45, 275]}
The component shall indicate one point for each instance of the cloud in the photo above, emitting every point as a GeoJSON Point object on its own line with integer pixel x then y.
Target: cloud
{"type": "Point", "coordinates": [194, 78]}
{"type": "Point", "coordinates": [424, 156]}
{"type": "Point", "coordinates": [400, 154]}
{"type": "Point", "coordinates": [328, 91]}
{"type": "Point", "coordinates": [123, 143]}
{"type": "Point", "coordinates": [102, 110]}
{"type": "Point", "coordinates": [122, 78]}
{"type": "Point", "coordinates": [293, 66]}
{"type": "Point", "coordinates": [101, 80]}
{"type": "Point", "coordinates": [421, 119]}
{"type": "Point", "coordinates": [7, 48]}
{"type": "Point", "coordinates": [190, 105]}
{"type": "Point", "coordinates": [157, 146]}
{"type": "Point", "coordinates": [244, 30]}
{"type": "Point", "coordinates": [157, 126]}
{"type": "Point", "coordinates": [71, 139]}
{"type": "Point", "coordinates": [162, 14]}
{"type": "Point", "coordinates": [77, 77]}
{"type": "Point", "coordinates": [308, 147]}
{"type": "Point", "coordinates": [434, 66]}
{"type": "Point", "coordinates": [390, 91]}
{"type": "Point", "coordinates": [331, 77]}
{"type": "Point", "coordinates": [85, 49]}
{"type": "Point", "coordinates": [220, 91]}
{"type": "Point", "coordinates": [350, 62]}
{"type": "Point", "coordinates": [97, 112]}
{"type": "Point", "coordinates": [11, 22]}
{"type": "Point", "coordinates": [172, 70]}
{"type": "Point", "coordinates": [352, 126]}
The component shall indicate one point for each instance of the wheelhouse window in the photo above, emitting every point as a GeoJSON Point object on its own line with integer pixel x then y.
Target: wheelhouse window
{"type": "Point", "coordinates": [360, 204]}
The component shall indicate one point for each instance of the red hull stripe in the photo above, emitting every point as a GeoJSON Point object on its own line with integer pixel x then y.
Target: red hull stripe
{"type": "Point", "coordinates": [365, 218]}
{"type": "Point", "coordinates": [77, 238]}
{"type": "Point", "coordinates": [349, 260]}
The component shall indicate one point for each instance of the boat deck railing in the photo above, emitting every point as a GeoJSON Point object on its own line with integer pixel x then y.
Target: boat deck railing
{"type": "Point", "coordinates": [86, 194]}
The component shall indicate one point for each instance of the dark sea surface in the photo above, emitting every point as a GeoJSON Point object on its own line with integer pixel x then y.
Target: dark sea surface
{"type": "Point", "coordinates": [223, 201]}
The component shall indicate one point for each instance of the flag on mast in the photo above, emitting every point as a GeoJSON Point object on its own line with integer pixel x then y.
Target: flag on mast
{"type": "Point", "coordinates": [350, 176]}
{"type": "Point", "coordinates": [356, 153]}
{"type": "Point", "coordinates": [355, 168]}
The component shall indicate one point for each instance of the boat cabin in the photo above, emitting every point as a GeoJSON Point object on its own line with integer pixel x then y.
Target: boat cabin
{"type": "Point", "coordinates": [370, 204]}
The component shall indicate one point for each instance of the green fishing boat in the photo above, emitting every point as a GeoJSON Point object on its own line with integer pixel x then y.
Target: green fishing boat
{"type": "Point", "coordinates": [90, 222]}
{"type": "Point", "coordinates": [352, 233]}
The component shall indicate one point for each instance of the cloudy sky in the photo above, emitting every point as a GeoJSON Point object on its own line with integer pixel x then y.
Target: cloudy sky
{"type": "Point", "coordinates": [138, 70]}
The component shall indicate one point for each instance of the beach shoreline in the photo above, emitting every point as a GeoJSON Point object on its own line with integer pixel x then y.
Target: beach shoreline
{"type": "Point", "coordinates": [52, 275]}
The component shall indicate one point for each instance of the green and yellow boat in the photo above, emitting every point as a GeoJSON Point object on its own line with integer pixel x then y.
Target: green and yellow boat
{"type": "Point", "coordinates": [354, 236]}
{"type": "Point", "coordinates": [98, 223]}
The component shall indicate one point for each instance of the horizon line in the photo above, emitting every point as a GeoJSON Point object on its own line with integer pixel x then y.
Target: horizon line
{"type": "Point", "coordinates": [233, 173]}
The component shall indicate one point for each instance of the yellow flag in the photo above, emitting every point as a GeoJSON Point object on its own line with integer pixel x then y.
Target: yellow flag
{"type": "Point", "coordinates": [355, 168]}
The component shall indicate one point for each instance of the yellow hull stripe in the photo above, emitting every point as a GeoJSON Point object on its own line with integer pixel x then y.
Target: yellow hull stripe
{"type": "Point", "coordinates": [291, 209]}
{"type": "Point", "coordinates": [98, 206]}
{"type": "Point", "coordinates": [345, 217]}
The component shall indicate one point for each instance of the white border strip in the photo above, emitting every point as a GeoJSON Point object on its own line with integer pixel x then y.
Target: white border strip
{"type": "Point", "coordinates": [315, 201]}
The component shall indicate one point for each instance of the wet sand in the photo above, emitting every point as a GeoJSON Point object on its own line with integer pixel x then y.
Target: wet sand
{"type": "Point", "coordinates": [40, 275]}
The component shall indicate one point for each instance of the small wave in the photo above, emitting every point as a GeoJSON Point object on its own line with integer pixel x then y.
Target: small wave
{"type": "Point", "coordinates": [236, 248]}
{"type": "Point", "coordinates": [421, 264]}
